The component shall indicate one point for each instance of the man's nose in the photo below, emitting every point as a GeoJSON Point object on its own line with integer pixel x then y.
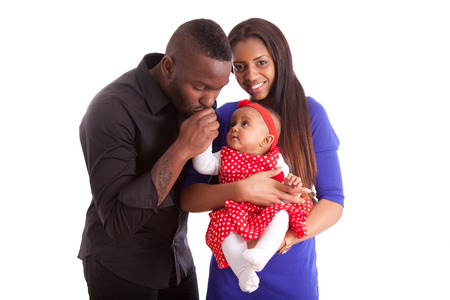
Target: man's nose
{"type": "Point", "coordinates": [208, 99]}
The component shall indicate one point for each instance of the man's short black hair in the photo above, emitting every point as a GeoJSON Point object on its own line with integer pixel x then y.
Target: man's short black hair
{"type": "Point", "coordinates": [202, 36]}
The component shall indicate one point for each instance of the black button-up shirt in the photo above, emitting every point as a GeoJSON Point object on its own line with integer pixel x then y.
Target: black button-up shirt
{"type": "Point", "coordinates": [127, 127]}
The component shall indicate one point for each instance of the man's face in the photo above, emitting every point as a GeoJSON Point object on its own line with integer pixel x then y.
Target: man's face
{"type": "Point", "coordinates": [195, 83]}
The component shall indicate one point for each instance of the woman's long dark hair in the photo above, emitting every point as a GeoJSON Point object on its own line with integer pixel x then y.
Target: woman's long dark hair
{"type": "Point", "coordinates": [289, 97]}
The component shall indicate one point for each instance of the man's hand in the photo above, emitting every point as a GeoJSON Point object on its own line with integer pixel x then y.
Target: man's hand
{"type": "Point", "coordinates": [197, 132]}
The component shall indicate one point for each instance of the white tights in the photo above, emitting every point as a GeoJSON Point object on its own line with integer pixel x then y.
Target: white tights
{"type": "Point", "coordinates": [246, 262]}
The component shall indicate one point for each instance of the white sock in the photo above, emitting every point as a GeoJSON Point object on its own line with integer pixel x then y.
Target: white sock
{"type": "Point", "coordinates": [269, 241]}
{"type": "Point", "coordinates": [233, 246]}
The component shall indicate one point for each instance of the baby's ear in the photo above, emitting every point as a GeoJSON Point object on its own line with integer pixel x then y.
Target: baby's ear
{"type": "Point", "coordinates": [267, 141]}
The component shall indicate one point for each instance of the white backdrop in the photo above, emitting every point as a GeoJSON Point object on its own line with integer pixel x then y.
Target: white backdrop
{"type": "Point", "coordinates": [380, 68]}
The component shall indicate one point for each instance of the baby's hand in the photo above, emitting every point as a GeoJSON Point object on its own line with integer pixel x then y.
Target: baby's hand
{"type": "Point", "coordinates": [291, 179]}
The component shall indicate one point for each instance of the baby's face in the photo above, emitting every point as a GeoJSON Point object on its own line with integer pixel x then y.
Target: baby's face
{"type": "Point", "coordinates": [247, 131]}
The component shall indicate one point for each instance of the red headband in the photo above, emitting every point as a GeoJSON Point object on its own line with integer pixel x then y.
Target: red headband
{"type": "Point", "coordinates": [267, 118]}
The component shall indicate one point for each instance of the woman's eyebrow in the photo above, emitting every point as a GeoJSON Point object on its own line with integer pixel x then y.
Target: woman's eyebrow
{"type": "Point", "coordinates": [256, 58]}
{"type": "Point", "coordinates": [261, 56]}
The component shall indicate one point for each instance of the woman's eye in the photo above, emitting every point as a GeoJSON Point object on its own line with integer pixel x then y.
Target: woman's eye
{"type": "Point", "coordinates": [262, 62]}
{"type": "Point", "coordinates": [238, 68]}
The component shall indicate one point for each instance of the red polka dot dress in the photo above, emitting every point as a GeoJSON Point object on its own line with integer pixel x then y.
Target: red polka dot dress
{"type": "Point", "coordinates": [247, 219]}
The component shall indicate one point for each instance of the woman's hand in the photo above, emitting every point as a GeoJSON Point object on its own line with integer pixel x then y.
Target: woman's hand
{"type": "Point", "coordinates": [261, 189]}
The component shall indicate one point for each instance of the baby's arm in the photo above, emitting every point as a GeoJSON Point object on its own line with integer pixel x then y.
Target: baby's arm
{"type": "Point", "coordinates": [207, 163]}
{"type": "Point", "coordinates": [281, 163]}
{"type": "Point", "coordinates": [289, 178]}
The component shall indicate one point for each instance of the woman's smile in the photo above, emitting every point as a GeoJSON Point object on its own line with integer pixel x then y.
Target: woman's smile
{"type": "Point", "coordinates": [256, 88]}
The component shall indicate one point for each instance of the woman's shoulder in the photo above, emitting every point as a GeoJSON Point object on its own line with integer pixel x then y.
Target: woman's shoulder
{"type": "Point", "coordinates": [225, 111]}
{"type": "Point", "coordinates": [321, 128]}
{"type": "Point", "coordinates": [315, 108]}
{"type": "Point", "coordinates": [317, 113]}
{"type": "Point", "coordinates": [226, 108]}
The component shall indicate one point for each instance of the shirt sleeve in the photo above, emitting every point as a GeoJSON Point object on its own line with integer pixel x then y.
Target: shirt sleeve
{"type": "Point", "coordinates": [281, 163]}
{"type": "Point", "coordinates": [124, 200]}
{"type": "Point", "coordinates": [207, 163]}
{"type": "Point", "coordinates": [326, 144]}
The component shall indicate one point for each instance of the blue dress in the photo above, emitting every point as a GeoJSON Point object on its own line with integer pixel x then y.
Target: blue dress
{"type": "Point", "coordinates": [292, 275]}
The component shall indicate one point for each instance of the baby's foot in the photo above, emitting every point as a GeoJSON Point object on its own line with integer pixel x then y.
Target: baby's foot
{"type": "Point", "coordinates": [248, 281]}
{"type": "Point", "coordinates": [257, 257]}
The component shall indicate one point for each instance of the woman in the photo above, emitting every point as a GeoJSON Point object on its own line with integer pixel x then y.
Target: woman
{"type": "Point", "coordinates": [263, 67]}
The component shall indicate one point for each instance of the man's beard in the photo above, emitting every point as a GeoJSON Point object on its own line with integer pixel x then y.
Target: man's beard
{"type": "Point", "coordinates": [179, 100]}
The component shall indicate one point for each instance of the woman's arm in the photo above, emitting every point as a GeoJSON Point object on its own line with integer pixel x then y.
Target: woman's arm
{"type": "Point", "coordinates": [328, 210]}
{"type": "Point", "coordinates": [259, 189]}
{"type": "Point", "coordinates": [321, 217]}
{"type": "Point", "coordinates": [201, 197]}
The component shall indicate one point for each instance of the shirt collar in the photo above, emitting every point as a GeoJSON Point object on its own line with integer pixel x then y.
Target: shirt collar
{"type": "Point", "coordinates": [154, 96]}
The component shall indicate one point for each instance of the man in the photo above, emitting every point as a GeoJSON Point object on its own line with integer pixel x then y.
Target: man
{"type": "Point", "coordinates": [137, 135]}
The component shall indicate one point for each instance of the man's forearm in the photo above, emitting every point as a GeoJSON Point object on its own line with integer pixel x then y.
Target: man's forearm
{"type": "Point", "coordinates": [166, 171]}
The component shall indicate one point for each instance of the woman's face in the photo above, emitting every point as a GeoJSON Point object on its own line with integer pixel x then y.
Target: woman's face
{"type": "Point", "coordinates": [254, 68]}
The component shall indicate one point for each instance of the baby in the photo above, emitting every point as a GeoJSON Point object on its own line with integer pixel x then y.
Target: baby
{"type": "Point", "coordinates": [252, 147]}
